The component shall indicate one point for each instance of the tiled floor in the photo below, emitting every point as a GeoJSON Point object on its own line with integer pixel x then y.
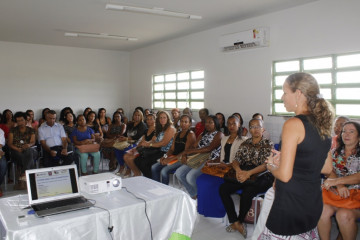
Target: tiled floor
{"type": "Point", "coordinates": [205, 228]}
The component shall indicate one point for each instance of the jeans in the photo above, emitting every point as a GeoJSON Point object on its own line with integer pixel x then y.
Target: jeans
{"type": "Point", "coordinates": [3, 166]}
{"type": "Point", "coordinates": [164, 171]}
{"type": "Point", "coordinates": [187, 176]}
{"type": "Point", "coordinates": [84, 158]}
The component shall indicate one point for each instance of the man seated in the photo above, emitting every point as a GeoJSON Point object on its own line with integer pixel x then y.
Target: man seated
{"type": "Point", "coordinates": [52, 137]}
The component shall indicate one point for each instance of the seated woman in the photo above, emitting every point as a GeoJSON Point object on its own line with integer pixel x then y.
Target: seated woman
{"type": "Point", "coordinates": [31, 122]}
{"type": "Point", "coordinates": [183, 141]}
{"type": "Point", "coordinates": [124, 119]}
{"type": "Point", "coordinates": [249, 161]}
{"type": "Point", "coordinates": [223, 127]}
{"type": "Point", "coordinates": [84, 135]}
{"type": "Point", "coordinates": [134, 131]}
{"type": "Point", "coordinates": [8, 119]}
{"type": "Point", "coordinates": [69, 127]}
{"type": "Point", "coordinates": [207, 142]}
{"type": "Point", "coordinates": [86, 111]}
{"type": "Point", "coordinates": [21, 139]}
{"type": "Point", "coordinates": [94, 125]}
{"type": "Point", "coordinates": [103, 121]}
{"type": "Point", "coordinates": [63, 113]}
{"type": "Point", "coordinates": [208, 185]}
{"type": "Point", "coordinates": [43, 114]}
{"type": "Point", "coordinates": [2, 159]}
{"type": "Point", "coordinates": [266, 134]}
{"type": "Point", "coordinates": [133, 153]}
{"type": "Point", "coordinates": [244, 130]}
{"type": "Point", "coordinates": [158, 146]}
{"type": "Point", "coordinates": [345, 177]}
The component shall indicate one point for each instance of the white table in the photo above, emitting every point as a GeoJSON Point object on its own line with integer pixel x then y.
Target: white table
{"type": "Point", "coordinates": [170, 210]}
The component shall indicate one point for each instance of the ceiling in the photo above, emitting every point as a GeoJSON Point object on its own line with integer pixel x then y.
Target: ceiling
{"type": "Point", "coordinates": [46, 21]}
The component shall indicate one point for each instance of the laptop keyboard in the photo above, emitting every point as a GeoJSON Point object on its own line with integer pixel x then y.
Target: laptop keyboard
{"type": "Point", "coordinates": [59, 203]}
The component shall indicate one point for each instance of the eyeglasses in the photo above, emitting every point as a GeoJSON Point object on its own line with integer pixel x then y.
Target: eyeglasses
{"type": "Point", "coordinates": [255, 127]}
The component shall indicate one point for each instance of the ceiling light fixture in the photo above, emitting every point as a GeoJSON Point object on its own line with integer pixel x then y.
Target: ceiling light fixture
{"type": "Point", "coordinates": [156, 11]}
{"type": "Point", "coordinates": [99, 35]}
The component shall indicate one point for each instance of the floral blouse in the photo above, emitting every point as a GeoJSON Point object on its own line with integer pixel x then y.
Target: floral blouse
{"type": "Point", "coordinates": [20, 138]}
{"type": "Point", "coordinates": [344, 168]}
{"type": "Point", "coordinates": [206, 140]}
{"type": "Point", "coordinates": [252, 155]}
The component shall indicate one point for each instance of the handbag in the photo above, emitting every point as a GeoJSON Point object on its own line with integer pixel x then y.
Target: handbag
{"type": "Point", "coordinates": [250, 216]}
{"type": "Point", "coordinates": [121, 145]}
{"type": "Point", "coordinates": [88, 148]}
{"type": "Point", "coordinates": [231, 176]}
{"type": "Point", "coordinates": [333, 199]}
{"type": "Point", "coordinates": [107, 143]}
{"type": "Point", "coordinates": [216, 170]}
{"type": "Point", "coordinates": [195, 161]}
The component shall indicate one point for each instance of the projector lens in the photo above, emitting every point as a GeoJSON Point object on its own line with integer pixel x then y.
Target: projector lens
{"type": "Point", "coordinates": [116, 183]}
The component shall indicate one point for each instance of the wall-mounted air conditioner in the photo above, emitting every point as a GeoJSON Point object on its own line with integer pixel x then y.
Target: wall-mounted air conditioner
{"type": "Point", "coordinates": [253, 38]}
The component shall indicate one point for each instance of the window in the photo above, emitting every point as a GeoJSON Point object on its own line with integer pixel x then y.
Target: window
{"type": "Point", "coordinates": [178, 90]}
{"type": "Point", "coordinates": [338, 77]}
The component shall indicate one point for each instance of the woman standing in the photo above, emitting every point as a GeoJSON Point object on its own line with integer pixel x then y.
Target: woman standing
{"type": "Point", "coordinates": [305, 145]}
{"type": "Point", "coordinates": [21, 139]}
{"type": "Point", "coordinates": [345, 178]}
{"type": "Point", "coordinates": [84, 135]}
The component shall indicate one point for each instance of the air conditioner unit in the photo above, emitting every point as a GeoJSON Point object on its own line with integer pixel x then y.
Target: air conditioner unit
{"type": "Point", "coordinates": [253, 38]}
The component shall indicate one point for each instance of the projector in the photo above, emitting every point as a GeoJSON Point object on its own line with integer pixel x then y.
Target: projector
{"type": "Point", "coordinates": [100, 183]}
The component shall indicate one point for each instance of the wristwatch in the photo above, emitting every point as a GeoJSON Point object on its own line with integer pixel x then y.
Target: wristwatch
{"type": "Point", "coordinates": [165, 155]}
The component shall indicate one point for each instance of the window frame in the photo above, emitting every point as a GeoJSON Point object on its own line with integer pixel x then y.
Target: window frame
{"type": "Point", "coordinates": [189, 100]}
{"type": "Point", "coordinates": [333, 86]}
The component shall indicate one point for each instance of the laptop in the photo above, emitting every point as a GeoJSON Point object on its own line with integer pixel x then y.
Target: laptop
{"type": "Point", "coordinates": [55, 190]}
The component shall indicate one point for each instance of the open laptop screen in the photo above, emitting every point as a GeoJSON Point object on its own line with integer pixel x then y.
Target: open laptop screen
{"type": "Point", "coordinates": [52, 183]}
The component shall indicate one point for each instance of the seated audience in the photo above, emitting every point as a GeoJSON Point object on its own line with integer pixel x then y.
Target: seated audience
{"type": "Point", "coordinates": [31, 122]}
{"type": "Point", "coordinates": [200, 126]}
{"type": "Point", "coordinates": [94, 125]}
{"type": "Point", "coordinates": [175, 113]}
{"type": "Point", "coordinates": [187, 111]}
{"type": "Point", "coordinates": [266, 134]}
{"type": "Point", "coordinates": [133, 153]}
{"type": "Point", "coordinates": [53, 140]}
{"type": "Point", "coordinates": [8, 118]}
{"type": "Point", "coordinates": [116, 130]}
{"type": "Point", "coordinates": [158, 146]}
{"type": "Point", "coordinates": [249, 162]}
{"type": "Point", "coordinates": [86, 112]}
{"type": "Point", "coordinates": [84, 135]}
{"type": "Point", "coordinates": [221, 119]}
{"type": "Point", "coordinates": [339, 123]}
{"type": "Point", "coordinates": [2, 160]}
{"type": "Point", "coordinates": [208, 186]}
{"type": "Point", "coordinates": [207, 142]}
{"type": "Point", "coordinates": [103, 121]}
{"type": "Point", "coordinates": [184, 139]}
{"type": "Point", "coordinates": [147, 112]}
{"type": "Point", "coordinates": [4, 128]}
{"type": "Point", "coordinates": [21, 139]}
{"type": "Point", "coordinates": [43, 116]}
{"type": "Point", "coordinates": [63, 113]}
{"type": "Point", "coordinates": [69, 127]}
{"type": "Point", "coordinates": [344, 179]}
{"type": "Point", "coordinates": [134, 131]}
{"type": "Point", "coordinates": [244, 130]}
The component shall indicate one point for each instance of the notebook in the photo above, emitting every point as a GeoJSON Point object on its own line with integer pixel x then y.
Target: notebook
{"type": "Point", "coordinates": [55, 190]}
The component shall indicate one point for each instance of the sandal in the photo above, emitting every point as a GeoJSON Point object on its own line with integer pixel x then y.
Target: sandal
{"type": "Point", "coordinates": [244, 232]}
{"type": "Point", "coordinates": [230, 229]}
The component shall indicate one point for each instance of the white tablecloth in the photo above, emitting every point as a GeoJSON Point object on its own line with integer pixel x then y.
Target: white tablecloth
{"type": "Point", "coordinates": [169, 210]}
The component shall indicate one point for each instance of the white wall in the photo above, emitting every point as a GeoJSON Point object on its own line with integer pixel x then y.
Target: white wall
{"type": "Point", "coordinates": [241, 81]}
{"type": "Point", "coordinates": [37, 76]}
